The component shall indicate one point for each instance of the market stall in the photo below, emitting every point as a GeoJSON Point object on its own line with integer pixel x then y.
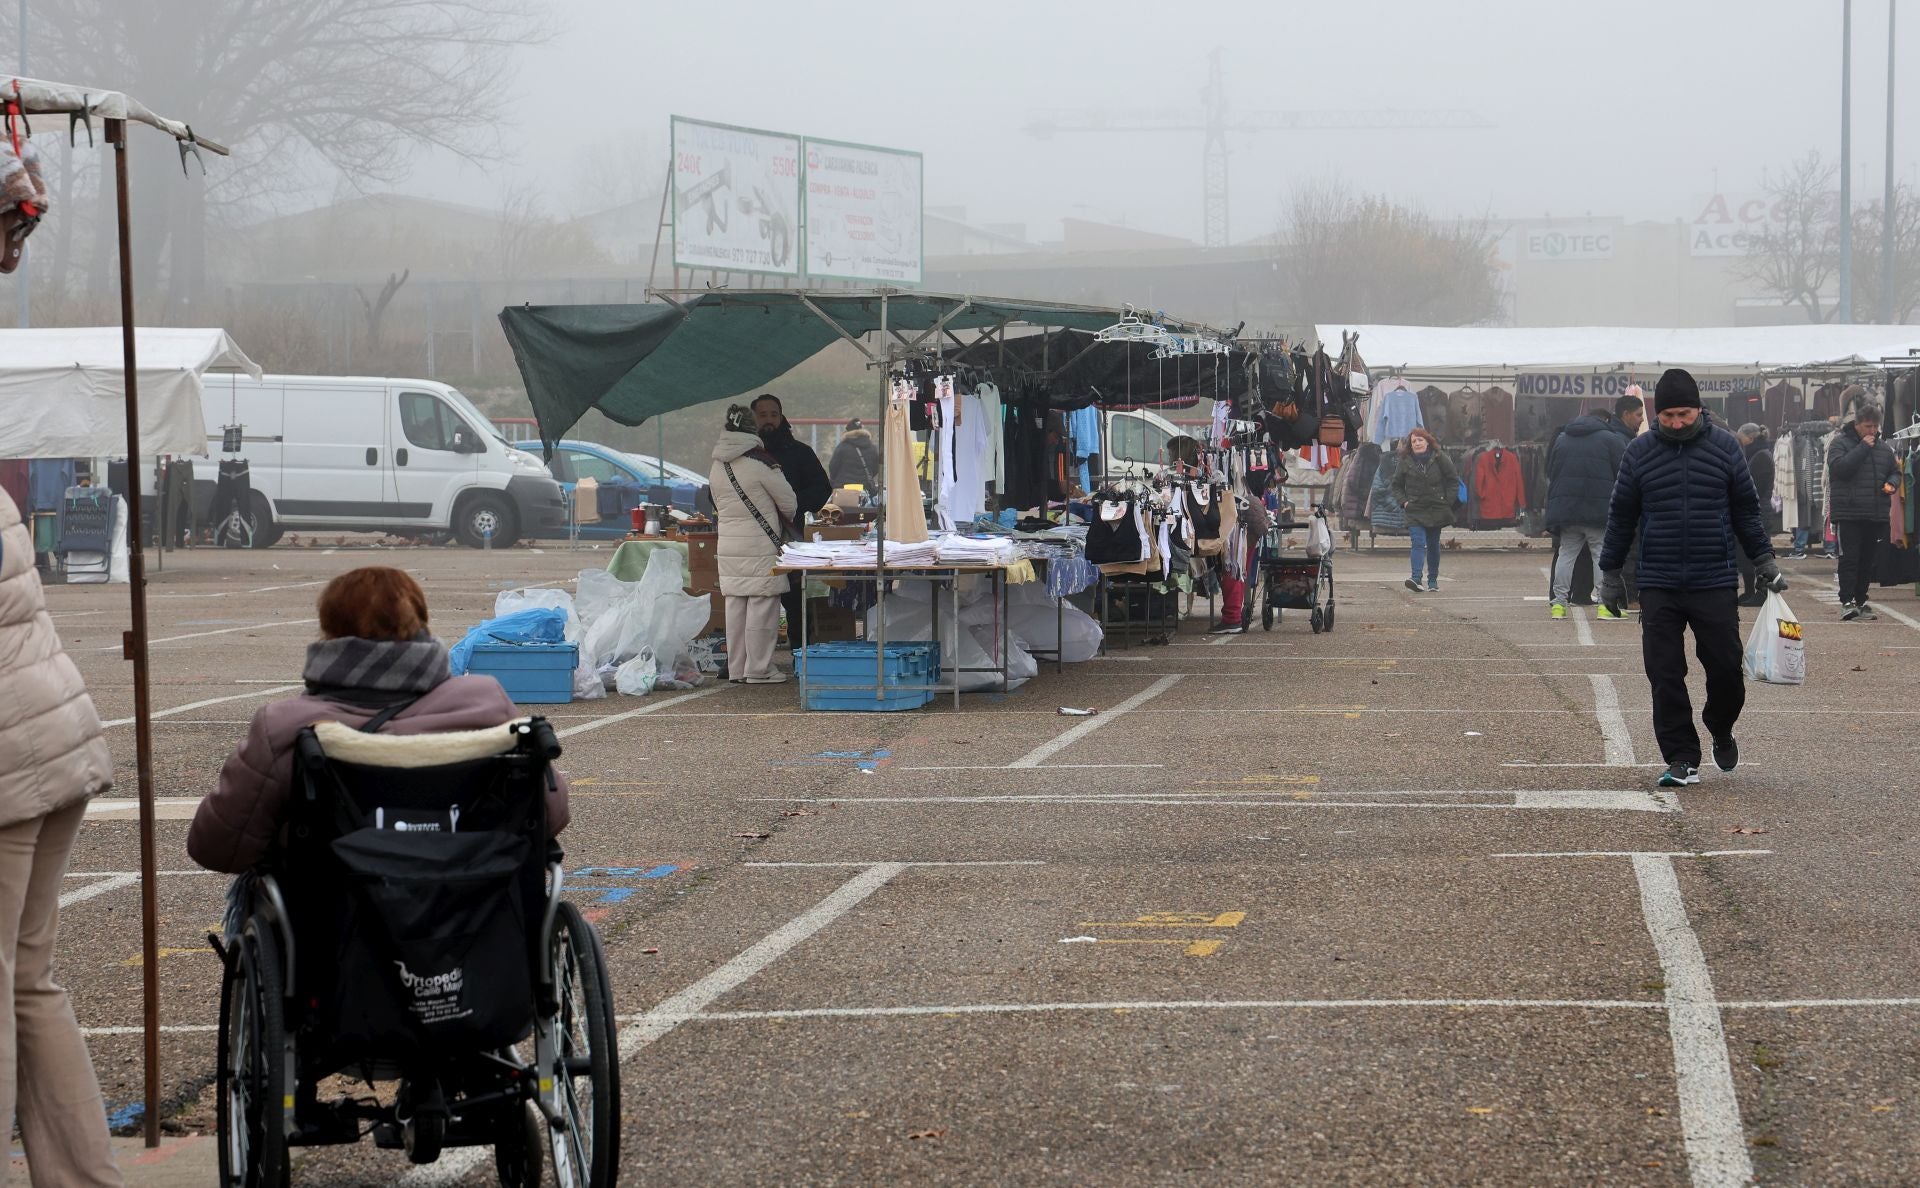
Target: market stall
{"type": "Point", "coordinates": [1496, 396]}
{"type": "Point", "coordinates": [999, 407]}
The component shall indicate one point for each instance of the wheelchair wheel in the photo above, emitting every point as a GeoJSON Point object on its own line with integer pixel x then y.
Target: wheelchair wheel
{"type": "Point", "coordinates": [586, 1149]}
{"type": "Point", "coordinates": [517, 1153]}
{"type": "Point", "coordinates": [251, 1088]}
{"type": "Point", "coordinates": [1266, 617]}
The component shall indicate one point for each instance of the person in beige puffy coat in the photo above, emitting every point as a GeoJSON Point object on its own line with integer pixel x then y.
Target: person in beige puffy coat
{"type": "Point", "coordinates": [755, 502]}
{"type": "Point", "coordinates": [52, 759]}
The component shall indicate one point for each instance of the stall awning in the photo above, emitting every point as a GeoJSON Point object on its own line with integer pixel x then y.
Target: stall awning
{"type": "Point", "coordinates": [637, 361]}
{"type": "Point", "coordinates": [1483, 350]}
{"type": "Point", "coordinates": [40, 97]}
{"type": "Point", "coordinates": [63, 391]}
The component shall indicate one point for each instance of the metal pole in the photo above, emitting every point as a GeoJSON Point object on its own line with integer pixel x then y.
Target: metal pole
{"type": "Point", "coordinates": [1886, 206]}
{"type": "Point", "coordinates": [26, 260]}
{"type": "Point", "coordinates": [134, 648]}
{"type": "Point", "coordinates": [1846, 163]}
{"type": "Point", "coordinates": [880, 532]}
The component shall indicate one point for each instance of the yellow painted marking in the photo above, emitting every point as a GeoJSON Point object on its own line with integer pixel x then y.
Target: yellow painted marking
{"type": "Point", "coordinates": [1265, 780]}
{"type": "Point", "coordinates": [1479, 1109]}
{"type": "Point", "coordinates": [137, 958]}
{"type": "Point", "coordinates": [593, 783]}
{"type": "Point", "coordinates": [1192, 948]}
{"type": "Point", "coordinates": [1173, 920]}
{"type": "Point", "coordinates": [1348, 712]}
{"type": "Point", "coordinates": [286, 1103]}
{"type": "Point", "coordinates": [546, 1084]}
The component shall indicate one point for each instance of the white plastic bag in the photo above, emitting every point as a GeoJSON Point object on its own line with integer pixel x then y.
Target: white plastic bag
{"type": "Point", "coordinates": [637, 676]}
{"type": "Point", "coordinates": [1776, 651]}
{"type": "Point", "coordinates": [620, 619]}
{"type": "Point", "coordinates": [1319, 538]}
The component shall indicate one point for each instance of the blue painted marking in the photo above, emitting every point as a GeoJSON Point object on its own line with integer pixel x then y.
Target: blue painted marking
{"type": "Point", "coordinates": [864, 760]}
{"type": "Point", "coordinates": [619, 894]}
{"type": "Point", "coordinates": [616, 895]}
{"type": "Point", "coordinates": [125, 1115]}
{"type": "Point", "coordinates": [659, 872]}
{"type": "Point", "coordinates": [609, 872]}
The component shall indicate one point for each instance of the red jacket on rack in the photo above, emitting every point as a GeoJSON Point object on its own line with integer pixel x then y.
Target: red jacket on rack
{"type": "Point", "coordinates": [1501, 488]}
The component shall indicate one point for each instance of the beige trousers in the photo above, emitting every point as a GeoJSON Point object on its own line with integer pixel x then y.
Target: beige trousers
{"type": "Point", "coordinates": [753, 626]}
{"type": "Point", "coordinates": [46, 1075]}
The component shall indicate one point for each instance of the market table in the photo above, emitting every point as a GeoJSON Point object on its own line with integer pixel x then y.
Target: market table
{"type": "Point", "coordinates": [1001, 576]}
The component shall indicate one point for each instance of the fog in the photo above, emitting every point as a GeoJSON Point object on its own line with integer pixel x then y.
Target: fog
{"type": "Point", "coordinates": [1637, 109]}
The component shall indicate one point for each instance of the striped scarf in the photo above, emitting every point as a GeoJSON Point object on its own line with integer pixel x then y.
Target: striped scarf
{"type": "Point", "coordinates": [351, 667]}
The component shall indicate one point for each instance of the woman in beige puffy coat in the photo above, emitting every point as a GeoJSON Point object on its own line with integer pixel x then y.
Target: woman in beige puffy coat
{"type": "Point", "coordinates": [52, 758]}
{"type": "Point", "coordinates": [755, 503]}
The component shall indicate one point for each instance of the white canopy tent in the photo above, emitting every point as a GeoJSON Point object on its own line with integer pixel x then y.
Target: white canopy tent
{"type": "Point", "coordinates": [63, 391]}
{"type": "Point", "coordinates": [1482, 351]}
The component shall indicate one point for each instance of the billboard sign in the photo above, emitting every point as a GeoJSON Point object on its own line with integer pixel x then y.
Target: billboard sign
{"type": "Point", "coordinates": [863, 209]}
{"type": "Point", "coordinates": [1729, 225]}
{"type": "Point", "coordinates": [736, 199]}
{"type": "Point", "coordinates": [1568, 241]}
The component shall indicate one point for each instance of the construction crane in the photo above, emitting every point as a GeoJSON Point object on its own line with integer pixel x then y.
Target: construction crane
{"type": "Point", "coordinates": [1214, 123]}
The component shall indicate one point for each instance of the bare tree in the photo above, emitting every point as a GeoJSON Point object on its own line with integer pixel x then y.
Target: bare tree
{"type": "Point", "coordinates": [1368, 259]}
{"type": "Point", "coordinates": [1868, 233]}
{"type": "Point", "coordinates": [1798, 253]}
{"type": "Point", "coordinates": [292, 85]}
{"type": "Point", "coordinates": [376, 308]}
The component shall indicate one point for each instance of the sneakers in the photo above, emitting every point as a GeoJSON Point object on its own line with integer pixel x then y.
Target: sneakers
{"type": "Point", "coordinates": [1866, 613]}
{"type": "Point", "coordinates": [1726, 753]}
{"type": "Point", "coordinates": [1849, 612]}
{"type": "Point", "coordinates": [1412, 584]}
{"type": "Point", "coordinates": [1752, 598]}
{"type": "Point", "coordinates": [776, 677]}
{"type": "Point", "coordinates": [1559, 610]}
{"type": "Point", "coordinates": [1227, 629]}
{"type": "Point", "coordinates": [1433, 587]}
{"type": "Point", "coordinates": [1603, 611]}
{"type": "Point", "coordinates": [1797, 555]}
{"type": "Point", "coordinates": [1679, 775]}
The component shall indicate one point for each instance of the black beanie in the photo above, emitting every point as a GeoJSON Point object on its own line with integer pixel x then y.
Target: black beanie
{"type": "Point", "coordinates": [1676, 389]}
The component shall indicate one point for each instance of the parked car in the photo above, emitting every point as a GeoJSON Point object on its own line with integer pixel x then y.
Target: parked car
{"type": "Point", "coordinates": [575, 460]}
{"type": "Point", "coordinates": [352, 453]}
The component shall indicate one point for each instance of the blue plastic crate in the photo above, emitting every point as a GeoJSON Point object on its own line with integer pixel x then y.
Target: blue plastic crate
{"type": "Point", "coordinates": [532, 673]}
{"type": "Point", "coordinates": [851, 663]}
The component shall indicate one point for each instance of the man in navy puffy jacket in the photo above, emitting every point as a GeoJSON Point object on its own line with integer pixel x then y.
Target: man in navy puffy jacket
{"type": "Point", "coordinates": [1687, 491]}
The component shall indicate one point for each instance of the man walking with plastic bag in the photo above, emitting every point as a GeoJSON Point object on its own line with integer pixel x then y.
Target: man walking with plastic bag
{"type": "Point", "coordinates": [1686, 490]}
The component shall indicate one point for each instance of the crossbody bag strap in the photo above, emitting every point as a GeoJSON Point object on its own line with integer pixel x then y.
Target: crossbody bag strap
{"type": "Point", "coordinates": [373, 724]}
{"type": "Point", "coordinates": [758, 518]}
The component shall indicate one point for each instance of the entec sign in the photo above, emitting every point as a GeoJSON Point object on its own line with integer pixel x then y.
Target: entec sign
{"type": "Point", "coordinates": [1728, 226]}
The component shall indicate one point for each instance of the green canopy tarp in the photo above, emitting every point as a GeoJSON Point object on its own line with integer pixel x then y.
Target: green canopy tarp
{"type": "Point", "coordinates": [637, 361]}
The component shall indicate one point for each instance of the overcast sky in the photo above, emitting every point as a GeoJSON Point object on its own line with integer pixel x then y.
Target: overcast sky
{"type": "Point", "coordinates": [1626, 108]}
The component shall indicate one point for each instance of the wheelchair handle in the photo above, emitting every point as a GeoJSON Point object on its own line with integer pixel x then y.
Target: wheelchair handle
{"type": "Point", "coordinates": [545, 742]}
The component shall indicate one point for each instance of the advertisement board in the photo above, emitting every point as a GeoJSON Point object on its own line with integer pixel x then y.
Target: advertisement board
{"type": "Point", "coordinates": [863, 208]}
{"type": "Point", "coordinates": [736, 199]}
{"type": "Point", "coordinates": [1567, 241]}
{"type": "Point", "coordinates": [1728, 225]}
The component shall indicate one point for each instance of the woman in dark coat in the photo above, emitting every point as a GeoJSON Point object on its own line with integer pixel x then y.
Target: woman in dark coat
{"type": "Point", "coordinates": [1426, 485]}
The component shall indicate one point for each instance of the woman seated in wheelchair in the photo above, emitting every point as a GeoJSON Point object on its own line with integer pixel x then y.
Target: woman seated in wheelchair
{"type": "Point", "coordinates": [398, 912]}
{"type": "Point", "coordinates": [375, 656]}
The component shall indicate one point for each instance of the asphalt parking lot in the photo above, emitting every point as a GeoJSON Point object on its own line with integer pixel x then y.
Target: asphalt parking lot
{"type": "Point", "coordinates": [1397, 904]}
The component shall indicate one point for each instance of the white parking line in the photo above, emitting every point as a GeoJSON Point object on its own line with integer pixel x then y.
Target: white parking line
{"type": "Point", "coordinates": [110, 883]}
{"type": "Point", "coordinates": [194, 705]}
{"type": "Point", "coordinates": [1613, 727]}
{"type": "Point", "coordinates": [1049, 749]}
{"type": "Point", "coordinates": [223, 631]}
{"type": "Point", "coordinates": [1582, 630]}
{"type": "Point", "coordinates": [1603, 799]}
{"type": "Point", "coordinates": [649, 708]}
{"type": "Point", "coordinates": [1710, 1124]}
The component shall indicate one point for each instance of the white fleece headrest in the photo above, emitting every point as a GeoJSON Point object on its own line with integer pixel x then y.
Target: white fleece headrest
{"type": "Point", "coordinates": [415, 750]}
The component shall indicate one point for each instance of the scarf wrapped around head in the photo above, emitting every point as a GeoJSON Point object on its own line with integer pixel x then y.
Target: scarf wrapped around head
{"type": "Point", "coordinates": [375, 670]}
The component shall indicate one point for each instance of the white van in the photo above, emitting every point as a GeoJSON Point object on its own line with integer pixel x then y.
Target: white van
{"type": "Point", "coordinates": [1136, 445]}
{"type": "Point", "coordinates": [347, 453]}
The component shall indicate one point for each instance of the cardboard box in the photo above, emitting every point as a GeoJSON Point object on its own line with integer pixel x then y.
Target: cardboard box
{"type": "Point", "coordinates": [827, 624]}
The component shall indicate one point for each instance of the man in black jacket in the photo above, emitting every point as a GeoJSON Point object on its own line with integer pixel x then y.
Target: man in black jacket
{"type": "Point", "coordinates": [803, 472]}
{"type": "Point", "coordinates": [1862, 474]}
{"type": "Point", "coordinates": [1580, 471]}
{"type": "Point", "coordinates": [1687, 491]}
{"type": "Point", "coordinates": [1757, 449]}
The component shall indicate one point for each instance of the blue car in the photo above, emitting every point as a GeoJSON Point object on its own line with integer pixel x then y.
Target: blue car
{"type": "Point", "coordinates": [575, 460]}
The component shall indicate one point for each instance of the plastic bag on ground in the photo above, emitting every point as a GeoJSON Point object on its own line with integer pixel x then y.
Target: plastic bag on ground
{"type": "Point", "coordinates": [910, 616]}
{"type": "Point", "coordinates": [637, 676]}
{"type": "Point", "coordinates": [586, 681]}
{"type": "Point", "coordinates": [620, 619]}
{"type": "Point", "coordinates": [528, 626]}
{"type": "Point", "coordinates": [1776, 650]}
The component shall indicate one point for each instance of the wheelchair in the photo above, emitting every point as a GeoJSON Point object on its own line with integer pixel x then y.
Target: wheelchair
{"type": "Point", "coordinates": [408, 940]}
